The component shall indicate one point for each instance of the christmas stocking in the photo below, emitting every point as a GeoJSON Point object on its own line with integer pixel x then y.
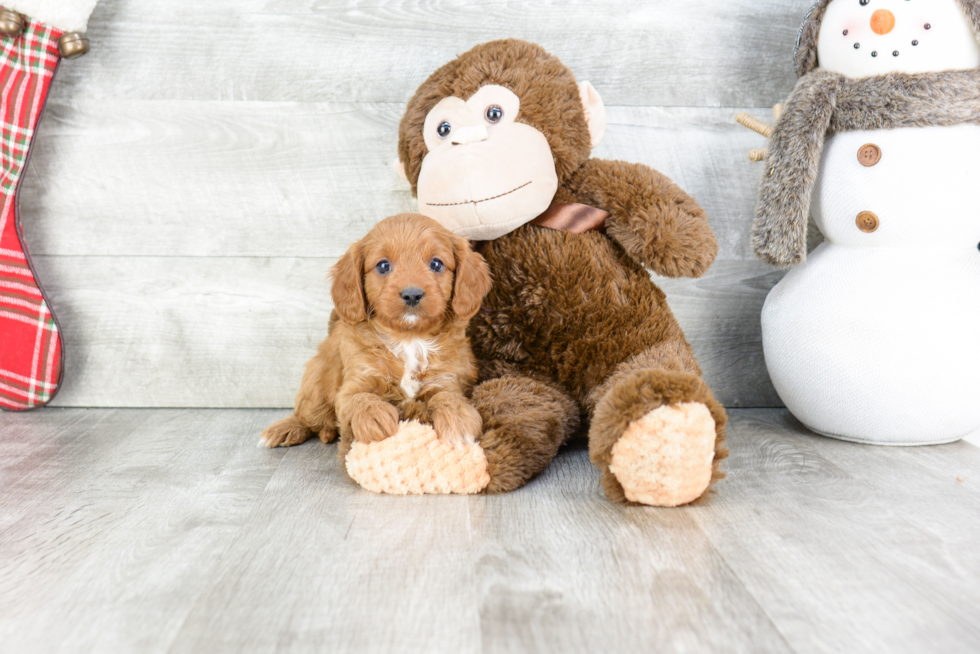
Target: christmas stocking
{"type": "Point", "coordinates": [36, 35]}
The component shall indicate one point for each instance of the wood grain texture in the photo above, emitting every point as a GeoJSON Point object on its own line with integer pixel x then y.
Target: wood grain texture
{"type": "Point", "coordinates": [119, 517]}
{"type": "Point", "coordinates": [328, 569]}
{"type": "Point", "coordinates": [169, 531]}
{"type": "Point", "coordinates": [237, 331]}
{"type": "Point", "coordinates": [187, 332]}
{"type": "Point", "coordinates": [653, 53]}
{"type": "Point", "coordinates": [270, 179]}
{"type": "Point", "coordinates": [554, 557]}
{"type": "Point", "coordinates": [853, 547]}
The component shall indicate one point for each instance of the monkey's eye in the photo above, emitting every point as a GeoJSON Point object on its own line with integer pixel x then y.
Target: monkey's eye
{"type": "Point", "coordinates": [494, 113]}
{"type": "Point", "coordinates": [436, 266]}
{"type": "Point", "coordinates": [383, 267]}
{"type": "Point", "coordinates": [444, 129]}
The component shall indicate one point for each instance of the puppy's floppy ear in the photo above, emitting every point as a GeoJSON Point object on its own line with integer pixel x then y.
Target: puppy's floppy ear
{"type": "Point", "coordinates": [472, 281]}
{"type": "Point", "coordinates": [348, 286]}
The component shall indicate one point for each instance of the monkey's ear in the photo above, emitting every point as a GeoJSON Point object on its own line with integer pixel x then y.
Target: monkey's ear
{"type": "Point", "coordinates": [348, 286]}
{"type": "Point", "coordinates": [595, 112]}
{"type": "Point", "coordinates": [472, 281]}
{"type": "Point", "coordinates": [400, 169]}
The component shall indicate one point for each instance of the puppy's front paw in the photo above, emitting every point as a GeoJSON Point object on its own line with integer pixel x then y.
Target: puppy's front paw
{"type": "Point", "coordinates": [375, 422]}
{"type": "Point", "coordinates": [285, 432]}
{"type": "Point", "coordinates": [458, 424]}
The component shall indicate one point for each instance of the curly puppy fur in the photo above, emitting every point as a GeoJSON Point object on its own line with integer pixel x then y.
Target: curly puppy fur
{"type": "Point", "coordinates": [567, 310]}
{"type": "Point", "coordinates": [826, 103]}
{"type": "Point", "coordinates": [390, 354]}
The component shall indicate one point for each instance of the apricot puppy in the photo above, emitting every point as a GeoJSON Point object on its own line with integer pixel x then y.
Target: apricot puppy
{"type": "Point", "coordinates": [397, 346]}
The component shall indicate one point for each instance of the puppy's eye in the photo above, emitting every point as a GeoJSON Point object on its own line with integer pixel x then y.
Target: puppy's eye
{"type": "Point", "coordinates": [436, 266]}
{"type": "Point", "coordinates": [383, 268]}
{"type": "Point", "coordinates": [494, 113]}
{"type": "Point", "coordinates": [444, 129]}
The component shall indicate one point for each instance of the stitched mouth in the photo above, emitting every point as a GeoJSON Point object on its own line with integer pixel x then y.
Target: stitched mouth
{"type": "Point", "coordinates": [456, 204]}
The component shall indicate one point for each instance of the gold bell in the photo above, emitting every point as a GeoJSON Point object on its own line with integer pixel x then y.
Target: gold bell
{"type": "Point", "coordinates": [72, 44]}
{"type": "Point", "coordinates": [11, 23]}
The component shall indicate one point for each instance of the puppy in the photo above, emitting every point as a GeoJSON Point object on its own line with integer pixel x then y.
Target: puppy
{"type": "Point", "coordinates": [396, 347]}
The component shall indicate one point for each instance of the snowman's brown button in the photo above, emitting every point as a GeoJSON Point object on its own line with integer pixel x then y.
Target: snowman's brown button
{"type": "Point", "coordinates": [867, 222]}
{"type": "Point", "coordinates": [869, 154]}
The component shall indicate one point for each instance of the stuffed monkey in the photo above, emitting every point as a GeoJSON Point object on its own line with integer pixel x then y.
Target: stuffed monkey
{"type": "Point", "coordinates": [496, 146]}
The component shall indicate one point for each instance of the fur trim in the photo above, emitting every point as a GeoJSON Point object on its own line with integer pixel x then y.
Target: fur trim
{"type": "Point", "coordinates": [65, 15]}
{"type": "Point", "coordinates": [805, 54]}
{"type": "Point", "coordinates": [825, 103]}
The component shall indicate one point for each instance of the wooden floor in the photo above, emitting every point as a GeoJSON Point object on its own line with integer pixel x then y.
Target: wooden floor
{"type": "Point", "coordinates": [169, 531]}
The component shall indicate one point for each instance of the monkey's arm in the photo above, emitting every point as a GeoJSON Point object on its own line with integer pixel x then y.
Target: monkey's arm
{"type": "Point", "coordinates": [656, 222]}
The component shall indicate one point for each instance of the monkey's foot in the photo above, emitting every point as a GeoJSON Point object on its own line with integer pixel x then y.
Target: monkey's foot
{"type": "Point", "coordinates": [665, 458]}
{"type": "Point", "coordinates": [416, 462]}
{"type": "Point", "coordinates": [658, 437]}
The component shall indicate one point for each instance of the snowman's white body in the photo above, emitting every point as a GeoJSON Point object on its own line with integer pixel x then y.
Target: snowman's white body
{"type": "Point", "coordinates": [876, 338]}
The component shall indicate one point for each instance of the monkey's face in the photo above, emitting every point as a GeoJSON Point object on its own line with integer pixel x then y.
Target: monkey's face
{"type": "Point", "coordinates": [485, 174]}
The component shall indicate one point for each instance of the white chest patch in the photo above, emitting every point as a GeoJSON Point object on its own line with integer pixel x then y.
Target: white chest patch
{"type": "Point", "coordinates": [414, 355]}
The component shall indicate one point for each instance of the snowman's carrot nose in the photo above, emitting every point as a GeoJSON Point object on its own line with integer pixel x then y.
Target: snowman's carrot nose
{"type": "Point", "coordinates": [882, 21]}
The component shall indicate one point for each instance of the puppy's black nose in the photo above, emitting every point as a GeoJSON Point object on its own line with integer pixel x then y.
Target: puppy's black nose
{"type": "Point", "coordinates": [412, 296]}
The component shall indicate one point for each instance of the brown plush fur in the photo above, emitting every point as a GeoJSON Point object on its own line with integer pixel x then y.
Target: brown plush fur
{"type": "Point", "coordinates": [354, 384]}
{"type": "Point", "coordinates": [805, 57]}
{"type": "Point", "coordinates": [567, 310]}
{"type": "Point", "coordinates": [526, 421]}
{"type": "Point", "coordinates": [826, 103]}
{"type": "Point", "coordinates": [549, 96]}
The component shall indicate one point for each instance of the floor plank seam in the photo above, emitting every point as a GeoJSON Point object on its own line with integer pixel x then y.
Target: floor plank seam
{"type": "Point", "coordinates": [216, 569]}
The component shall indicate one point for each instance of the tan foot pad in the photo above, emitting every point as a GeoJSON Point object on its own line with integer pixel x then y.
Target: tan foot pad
{"type": "Point", "coordinates": [665, 457]}
{"type": "Point", "coordinates": [415, 462]}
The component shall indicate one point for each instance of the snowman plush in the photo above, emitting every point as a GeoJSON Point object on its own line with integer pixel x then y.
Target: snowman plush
{"type": "Point", "coordinates": [875, 335]}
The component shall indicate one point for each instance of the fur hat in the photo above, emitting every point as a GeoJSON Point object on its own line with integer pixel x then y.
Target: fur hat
{"type": "Point", "coordinates": [805, 55]}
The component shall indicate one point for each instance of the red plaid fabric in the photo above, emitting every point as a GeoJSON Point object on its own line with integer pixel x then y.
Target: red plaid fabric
{"type": "Point", "coordinates": [30, 341]}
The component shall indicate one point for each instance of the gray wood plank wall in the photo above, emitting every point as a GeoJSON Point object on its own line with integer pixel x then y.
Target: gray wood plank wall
{"type": "Point", "coordinates": [198, 172]}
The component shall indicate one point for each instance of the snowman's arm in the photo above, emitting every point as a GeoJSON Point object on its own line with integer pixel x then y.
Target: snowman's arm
{"type": "Point", "coordinates": [651, 218]}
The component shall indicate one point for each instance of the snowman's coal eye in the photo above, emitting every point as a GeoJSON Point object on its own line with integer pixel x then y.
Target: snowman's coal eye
{"type": "Point", "coordinates": [864, 2]}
